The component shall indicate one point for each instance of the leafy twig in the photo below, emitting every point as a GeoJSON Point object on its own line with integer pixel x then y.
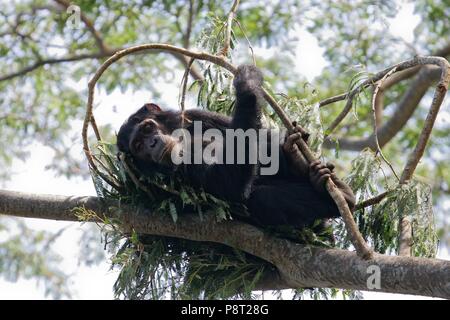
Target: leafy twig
{"type": "Point", "coordinates": [372, 201]}
{"type": "Point", "coordinates": [227, 42]}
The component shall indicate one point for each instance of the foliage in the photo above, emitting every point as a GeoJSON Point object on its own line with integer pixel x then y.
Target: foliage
{"type": "Point", "coordinates": [328, 293]}
{"type": "Point", "coordinates": [26, 253]}
{"type": "Point", "coordinates": [379, 223]}
{"type": "Point", "coordinates": [158, 267]}
{"type": "Point", "coordinates": [412, 200]}
{"type": "Point", "coordinates": [308, 117]}
{"type": "Point", "coordinates": [44, 102]}
{"type": "Point", "coordinates": [163, 267]}
{"type": "Point", "coordinates": [43, 105]}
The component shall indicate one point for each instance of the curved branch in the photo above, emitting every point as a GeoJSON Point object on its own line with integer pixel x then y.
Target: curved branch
{"type": "Point", "coordinates": [375, 200]}
{"type": "Point", "coordinates": [405, 108]}
{"type": "Point", "coordinates": [438, 98]}
{"type": "Point", "coordinates": [298, 265]}
{"type": "Point", "coordinates": [416, 61]}
{"type": "Point", "coordinates": [393, 79]}
{"type": "Point", "coordinates": [376, 104]}
{"type": "Point", "coordinates": [405, 227]}
{"type": "Point", "coordinates": [406, 74]}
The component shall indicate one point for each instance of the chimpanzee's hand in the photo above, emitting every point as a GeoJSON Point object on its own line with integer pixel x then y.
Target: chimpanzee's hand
{"type": "Point", "coordinates": [298, 164]}
{"type": "Point", "coordinates": [319, 174]}
{"type": "Point", "coordinates": [304, 134]}
{"type": "Point", "coordinates": [247, 79]}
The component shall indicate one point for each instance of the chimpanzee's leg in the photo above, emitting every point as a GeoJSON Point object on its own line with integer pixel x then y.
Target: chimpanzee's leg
{"type": "Point", "coordinates": [291, 203]}
{"type": "Point", "coordinates": [317, 172]}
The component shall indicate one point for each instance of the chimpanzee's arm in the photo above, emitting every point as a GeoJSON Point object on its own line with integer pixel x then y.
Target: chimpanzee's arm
{"type": "Point", "coordinates": [234, 181]}
{"type": "Point", "coordinates": [247, 113]}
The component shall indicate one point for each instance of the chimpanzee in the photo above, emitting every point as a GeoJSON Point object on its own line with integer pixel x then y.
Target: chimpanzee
{"type": "Point", "coordinates": [289, 197]}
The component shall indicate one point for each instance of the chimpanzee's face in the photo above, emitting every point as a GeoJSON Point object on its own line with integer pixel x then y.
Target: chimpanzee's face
{"type": "Point", "coordinates": [144, 138]}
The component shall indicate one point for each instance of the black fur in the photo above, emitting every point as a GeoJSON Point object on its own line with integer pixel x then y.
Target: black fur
{"type": "Point", "coordinates": [282, 199]}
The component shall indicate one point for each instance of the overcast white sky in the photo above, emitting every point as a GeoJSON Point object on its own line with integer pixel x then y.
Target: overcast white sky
{"type": "Point", "coordinates": [96, 282]}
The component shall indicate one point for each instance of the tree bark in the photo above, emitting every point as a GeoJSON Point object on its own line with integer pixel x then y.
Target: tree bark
{"type": "Point", "coordinates": [298, 265]}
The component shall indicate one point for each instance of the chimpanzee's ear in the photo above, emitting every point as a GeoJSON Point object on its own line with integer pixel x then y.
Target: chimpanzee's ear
{"type": "Point", "coordinates": [151, 107]}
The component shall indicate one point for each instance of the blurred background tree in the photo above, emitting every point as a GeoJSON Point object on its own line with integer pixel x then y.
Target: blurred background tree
{"type": "Point", "coordinates": [47, 57]}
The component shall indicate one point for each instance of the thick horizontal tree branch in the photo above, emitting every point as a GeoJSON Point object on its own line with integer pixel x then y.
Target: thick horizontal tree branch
{"type": "Point", "coordinates": [298, 265]}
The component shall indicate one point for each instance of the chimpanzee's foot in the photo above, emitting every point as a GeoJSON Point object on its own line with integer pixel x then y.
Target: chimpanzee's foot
{"type": "Point", "coordinates": [319, 174]}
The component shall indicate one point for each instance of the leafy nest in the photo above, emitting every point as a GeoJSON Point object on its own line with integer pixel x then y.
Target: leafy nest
{"type": "Point", "coordinates": [165, 267]}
